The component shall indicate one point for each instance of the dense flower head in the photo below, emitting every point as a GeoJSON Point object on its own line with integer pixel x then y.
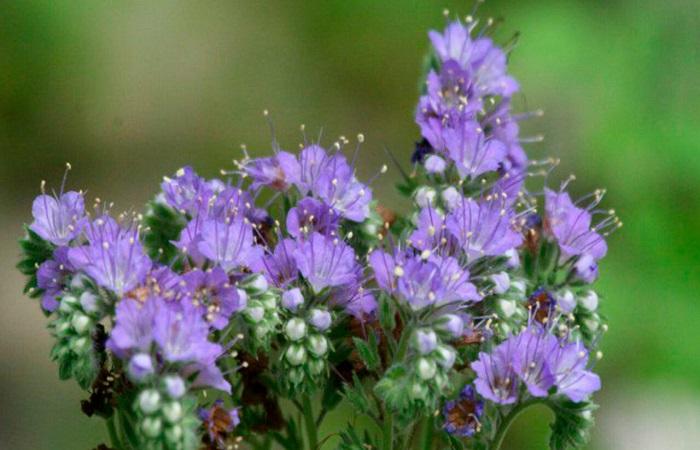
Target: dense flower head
{"type": "Point", "coordinates": [228, 242]}
{"type": "Point", "coordinates": [277, 172]}
{"type": "Point", "coordinates": [187, 191]}
{"type": "Point", "coordinates": [59, 219]}
{"type": "Point", "coordinates": [311, 215]}
{"type": "Point", "coordinates": [52, 277]}
{"type": "Point", "coordinates": [213, 294]}
{"type": "Point", "coordinates": [113, 257]}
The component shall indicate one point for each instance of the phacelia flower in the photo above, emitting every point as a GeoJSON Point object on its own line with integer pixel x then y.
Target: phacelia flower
{"type": "Point", "coordinates": [462, 414]}
{"type": "Point", "coordinates": [228, 243]}
{"type": "Point", "coordinates": [483, 228]}
{"type": "Point", "coordinates": [219, 422]}
{"type": "Point", "coordinates": [52, 276]}
{"type": "Point", "coordinates": [277, 172]}
{"type": "Point", "coordinates": [325, 262]}
{"type": "Point", "coordinates": [58, 220]}
{"type": "Point", "coordinates": [496, 378]}
{"type": "Point", "coordinates": [114, 257]}
{"type": "Point", "coordinates": [338, 187]}
{"type": "Point", "coordinates": [212, 293]}
{"type": "Point", "coordinates": [311, 215]}
{"type": "Point", "coordinates": [534, 346]}
{"type": "Point", "coordinates": [472, 151]}
{"type": "Point", "coordinates": [568, 366]}
{"type": "Point", "coordinates": [279, 266]}
{"type": "Point", "coordinates": [187, 192]}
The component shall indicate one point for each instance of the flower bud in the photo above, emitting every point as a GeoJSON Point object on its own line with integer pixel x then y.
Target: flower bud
{"type": "Point", "coordinates": [518, 286]}
{"type": "Point", "coordinates": [295, 375]}
{"type": "Point", "coordinates": [149, 401]}
{"type": "Point", "coordinates": [501, 282]}
{"type": "Point", "coordinates": [507, 307]}
{"type": "Point", "coordinates": [89, 302]}
{"type": "Point", "coordinates": [425, 196]}
{"type": "Point", "coordinates": [419, 391]}
{"type": "Point", "coordinates": [174, 386]}
{"type": "Point", "coordinates": [320, 319]}
{"type": "Point", "coordinates": [446, 356]}
{"type": "Point", "coordinates": [80, 323]}
{"type": "Point", "coordinates": [172, 411]}
{"type": "Point", "coordinates": [296, 354]}
{"type": "Point", "coordinates": [268, 300]}
{"type": "Point", "coordinates": [68, 303]}
{"type": "Point", "coordinates": [434, 164]}
{"type": "Point", "coordinates": [316, 366]}
{"type": "Point", "coordinates": [513, 258]}
{"type": "Point", "coordinates": [441, 380]}
{"type": "Point", "coordinates": [254, 313]}
{"type": "Point", "coordinates": [566, 301]}
{"type": "Point", "coordinates": [317, 345]}
{"type": "Point", "coordinates": [425, 341]}
{"type": "Point", "coordinates": [174, 434]}
{"type": "Point", "coordinates": [451, 197]}
{"type": "Point", "coordinates": [426, 368]}
{"type": "Point", "coordinates": [292, 299]}
{"type": "Point", "coordinates": [295, 329]}
{"type": "Point", "coordinates": [589, 300]}
{"type": "Point", "coordinates": [140, 367]}
{"type": "Point", "coordinates": [452, 324]}
{"type": "Point", "coordinates": [151, 427]}
{"type": "Point", "coordinates": [256, 284]}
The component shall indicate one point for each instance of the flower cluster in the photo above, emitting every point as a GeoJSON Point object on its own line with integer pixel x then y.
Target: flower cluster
{"type": "Point", "coordinates": [233, 302]}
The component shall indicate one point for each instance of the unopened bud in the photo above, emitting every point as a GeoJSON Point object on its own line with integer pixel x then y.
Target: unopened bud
{"type": "Point", "coordinates": [255, 313]}
{"type": "Point", "coordinates": [151, 427]}
{"type": "Point", "coordinates": [80, 323]}
{"type": "Point", "coordinates": [149, 401]}
{"type": "Point", "coordinates": [320, 319]}
{"type": "Point", "coordinates": [173, 434]}
{"type": "Point", "coordinates": [296, 354]}
{"type": "Point", "coordinates": [589, 300]}
{"type": "Point", "coordinates": [425, 196]}
{"type": "Point", "coordinates": [295, 329]}
{"type": "Point", "coordinates": [507, 307]}
{"type": "Point", "coordinates": [425, 341]}
{"type": "Point", "coordinates": [446, 356]}
{"type": "Point", "coordinates": [172, 411]}
{"type": "Point", "coordinates": [426, 368]}
{"type": "Point", "coordinates": [317, 344]}
{"type": "Point", "coordinates": [292, 299]}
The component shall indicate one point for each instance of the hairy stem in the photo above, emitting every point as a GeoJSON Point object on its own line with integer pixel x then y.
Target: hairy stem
{"type": "Point", "coordinates": [388, 429]}
{"type": "Point", "coordinates": [113, 436]}
{"type": "Point", "coordinates": [311, 432]}
{"type": "Point", "coordinates": [509, 419]}
{"type": "Point", "coordinates": [427, 427]}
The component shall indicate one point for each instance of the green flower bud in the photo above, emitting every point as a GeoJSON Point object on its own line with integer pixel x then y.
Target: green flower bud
{"type": "Point", "coordinates": [426, 368]}
{"type": "Point", "coordinates": [295, 375]}
{"type": "Point", "coordinates": [317, 345]}
{"type": "Point", "coordinates": [81, 323]}
{"type": "Point", "coordinates": [446, 356]}
{"type": "Point", "coordinates": [151, 427]}
{"type": "Point", "coordinates": [68, 304]}
{"type": "Point", "coordinates": [507, 307]}
{"type": "Point", "coordinates": [441, 380]}
{"type": "Point", "coordinates": [254, 314]}
{"type": "Point", "coordinates": [174, 434]}
{"type": "Point", "coordinates": [296, 354]}
{"type": "Point", "coordinates": [149, 401]}
{"type": "Point", "coordinates": [419, 391]}
{"type": "Point", "coordinates": [269, 301]}
{"type": "Point", "coordinates": [295, 329]}
{"type": "Point", "coordinates": [172, 412]}
{"type": "Point", "coordinates": [316, 366]}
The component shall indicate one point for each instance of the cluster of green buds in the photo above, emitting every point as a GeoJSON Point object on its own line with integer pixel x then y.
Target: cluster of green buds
{"type": "Point", "coordinates": [166, 416]}
{"type": "Point", "coordinates": [508, 295]}
{"type": "Point", "coordinates": [580, 315]}
{"type": "Point", "coordinates": [78, 333]}
{"type": "Point", "coordinates": [304, 357]}
{"type": "Point", "coordinates": [261, 313]}
{"type": "Point", "coordinates": [430, 361]}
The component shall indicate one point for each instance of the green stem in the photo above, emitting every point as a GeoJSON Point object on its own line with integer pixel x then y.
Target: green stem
{"type": "Point", "coordinates": [509, 419]}
{"type": "Point", "coordinates": [388, 430]}
{"type": "Point", "coordinates": [113, 436]}
{"type": "Point", "coordinates": [310, 422]}
{"type": "Point", "coordinates": [427, 427]}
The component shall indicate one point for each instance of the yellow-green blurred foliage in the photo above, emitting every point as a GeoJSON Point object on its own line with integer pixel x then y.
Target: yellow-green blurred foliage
{"type": "Point", "coordinates": [129, 91]}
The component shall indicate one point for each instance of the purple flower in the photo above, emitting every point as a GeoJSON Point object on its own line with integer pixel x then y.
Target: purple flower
{"type": "Point", "coordinates": [430, 231]}
{"type": "Point", "coordinates": [213, 295]}
{"type": "Point", "coordinates": [140, 367]}
{"type": "Point", "coordinates": [181, 335]}
{"type": "Point", "coordinates": [187, 192]}
{"type": "Point", "coordinates": [472, 151]}
{"type": "Point", "coordinates": [571, 226]}
{"type": "Point", "coordinates": [533, 346]}
{"type": "Point", "coordinates": [228, 243]}
{"type": "Point", "coordinates": [337, 186]}
{"type": "Point", "coordinates": [355, 299]}
{"type": "Point", "coordinates": [385, 269]}
{"type": "Point", "coordinates": [58, 220]}
{"type": "Point", "coordinates": [325, 262]}
{"type": "Point", "coordinates": [485, 62]}
{"type": "Point", "coordinates": [463, 413]}
{"type": "Point", "coordinates": [114, 257]}
{"type": "Point", "coordinates": [456, 286]}
{"type": "Point", "coordinates": [568, 365]}
{"type": "Point", "coordinates": [426, 341]}
{"type": "Point", "coordinates": [586, 268]}
{"type": "Point", "coordinates": [133, 331]}
{"type": "Point", "coordinates": [311, 215]}
{"type": "Point", "coordinates": [279, 267]}
{"type": "Point", "coordinates": [277, 172]}
{"type": "Point", "coordinates": [52, 276]}
{"type": "Point", "coordinates": [496, 379]}
{"type": "Point", "coordinates": [483, 228]}
{"type": "Point", "coordinates": [420, 284]}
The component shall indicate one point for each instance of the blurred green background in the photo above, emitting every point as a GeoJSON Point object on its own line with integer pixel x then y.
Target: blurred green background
{"type": "Point", "coordinates": [129, 91]}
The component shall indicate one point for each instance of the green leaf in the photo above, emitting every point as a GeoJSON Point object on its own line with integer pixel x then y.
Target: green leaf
{"type": "Point", "coordinates": [572, 424]}
{"type": "Point", "coordinates": [35, 251]}
{"type": "Point", "coordinates": [163, 225]}
{"type": "Point", "coordinates": [368, 351]}
{"type": "Point", "coordinates": [355, 394]}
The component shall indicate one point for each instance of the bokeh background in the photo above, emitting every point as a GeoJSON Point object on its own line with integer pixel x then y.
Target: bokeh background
{"type": "Point", "coordinates": [129, 91]}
